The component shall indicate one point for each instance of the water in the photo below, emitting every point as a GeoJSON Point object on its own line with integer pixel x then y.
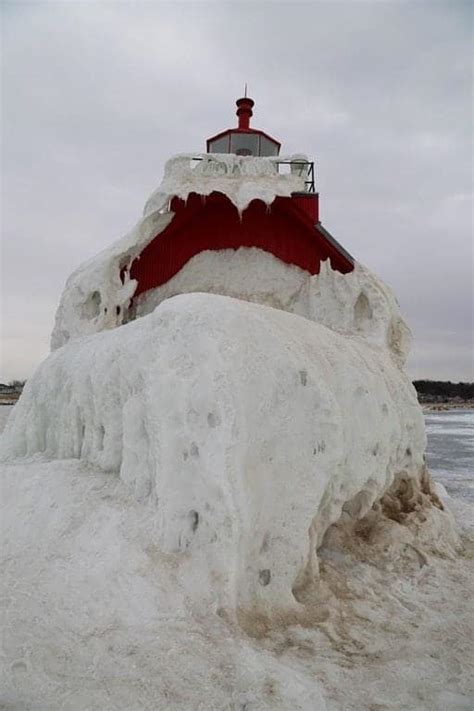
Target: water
{"type": "Point", "coordinates": [450, 451]}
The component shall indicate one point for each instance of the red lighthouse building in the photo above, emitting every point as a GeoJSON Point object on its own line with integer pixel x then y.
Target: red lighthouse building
{"type": "Point", "coordinates": [289, 228]}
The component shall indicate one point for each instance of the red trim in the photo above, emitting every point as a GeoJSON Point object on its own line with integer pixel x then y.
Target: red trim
{"type": "Point", "coordinates": [212, 223]}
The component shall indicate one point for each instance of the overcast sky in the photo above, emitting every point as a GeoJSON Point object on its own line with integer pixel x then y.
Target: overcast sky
{"type": "Point", "coordinates": [97, 95]}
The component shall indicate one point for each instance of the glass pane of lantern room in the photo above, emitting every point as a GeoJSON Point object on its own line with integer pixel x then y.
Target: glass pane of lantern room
{"type": "Point", "coordinates": [219, 145]}
{"type": "Point", "coordinates": [244, 144]}
{"type": "Point", "coordinates": [267, 147]}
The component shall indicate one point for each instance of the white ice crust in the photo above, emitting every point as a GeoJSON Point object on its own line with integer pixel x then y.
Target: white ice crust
{"type": "Point", "coordinates": [94, 298]}
{"type": "Point", "coordinates": [249, 428]}
{"type": "Point", "coordinates": [357, 303]}
{"type": "Point", "coordinates": [180, 474]}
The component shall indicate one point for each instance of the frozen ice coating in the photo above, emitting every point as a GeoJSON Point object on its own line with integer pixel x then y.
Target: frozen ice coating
{"type": "Point", "coordinates": [95, 298]}
{"type": "Point", "coordinates": [355, 304]}
{"type": "Point", "coordinates": [241, 178]}
{"type": "Point", "coordinates": [216, 482]}
{"type": "Point", "coordinates": [249, 428]}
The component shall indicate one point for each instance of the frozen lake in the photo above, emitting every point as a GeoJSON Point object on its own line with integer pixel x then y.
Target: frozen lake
{"type": "Point", "coordinates": [450, 450]}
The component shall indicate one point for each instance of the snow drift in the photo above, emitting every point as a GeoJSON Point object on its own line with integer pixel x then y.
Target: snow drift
{"type": "Point", "coordinates": [356, 304]}
{"type": "Point", "coordinates": [249, 429]}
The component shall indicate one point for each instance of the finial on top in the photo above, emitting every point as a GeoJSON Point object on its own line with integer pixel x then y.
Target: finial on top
{"type": "Point", "coordinates": [244, 110]}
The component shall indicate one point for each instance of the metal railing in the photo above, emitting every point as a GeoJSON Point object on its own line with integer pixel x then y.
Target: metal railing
{"type": "Point", "coordinates": [308, 173]}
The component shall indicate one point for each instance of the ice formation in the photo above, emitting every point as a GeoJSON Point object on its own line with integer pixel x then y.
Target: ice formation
{"type": "Point", "coordinates": [222, 443]}
{"type": "Point", "coordinates": [95, 298]}
{"type": "Point", "coordinates": [250, 429]}
{"type": "Point", "coordinates": [356, 304]}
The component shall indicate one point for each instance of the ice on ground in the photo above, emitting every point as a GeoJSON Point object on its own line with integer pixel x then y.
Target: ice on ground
{"type": "Point", "coordinates": [95, 614]}
{"type": "Point", "coordinates": [250, 429]}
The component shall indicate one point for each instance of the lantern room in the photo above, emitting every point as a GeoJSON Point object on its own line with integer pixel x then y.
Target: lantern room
{"type": "Point", "coordinates": [243, 140]}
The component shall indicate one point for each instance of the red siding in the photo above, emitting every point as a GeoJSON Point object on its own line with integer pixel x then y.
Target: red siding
{"type": "Point", "coordinates": [309, 203]}
{"type": "Point", "coordinates": [202, 223]}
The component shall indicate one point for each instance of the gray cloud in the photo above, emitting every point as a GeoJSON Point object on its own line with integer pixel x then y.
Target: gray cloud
{"type": "Point", "coordinates": [97, 95]}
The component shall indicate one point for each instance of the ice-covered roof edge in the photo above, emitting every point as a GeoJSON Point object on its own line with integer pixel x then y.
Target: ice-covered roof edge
{"type": "Point", "coordinates": [241, 178]}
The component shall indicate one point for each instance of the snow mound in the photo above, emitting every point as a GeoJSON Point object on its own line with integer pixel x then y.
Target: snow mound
{"type": "Point", "coordinates": [95, 616]}
{"type": "Point", "coordinates": [247, 429]}
{"type": "Point", "coordinates": [357, 304]}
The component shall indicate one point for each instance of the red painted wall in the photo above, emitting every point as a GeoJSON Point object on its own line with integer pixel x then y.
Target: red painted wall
{"type": "Point", "coordinates": [285, 228]}
{"type": "Point", "coordinates": [308, 203]}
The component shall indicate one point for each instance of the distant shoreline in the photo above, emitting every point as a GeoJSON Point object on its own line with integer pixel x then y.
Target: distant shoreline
{"type": "Point", "coordinates": [426, 405]}
{"type": "Point", "coordinates": [9, 399]}
{"type": "Point", "coordinates": [434, 406]}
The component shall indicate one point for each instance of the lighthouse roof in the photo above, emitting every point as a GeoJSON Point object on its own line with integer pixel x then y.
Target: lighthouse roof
{"type": "Point", "coordinates": [244, 140]}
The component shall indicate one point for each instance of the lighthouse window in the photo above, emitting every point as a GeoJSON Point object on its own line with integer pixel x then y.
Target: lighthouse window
{"type": "Point", "coordinates": [220, 145]}
{"type": "Point", "coordinates": [244, 144]}
{"type": "Point", "coordinates": [267, 147]}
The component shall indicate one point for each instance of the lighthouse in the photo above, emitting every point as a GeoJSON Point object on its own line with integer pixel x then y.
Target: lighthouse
{"type": "Point", "coordinates": [243, 140]}
{"type": "Point", "coordinates": [288, 227]}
